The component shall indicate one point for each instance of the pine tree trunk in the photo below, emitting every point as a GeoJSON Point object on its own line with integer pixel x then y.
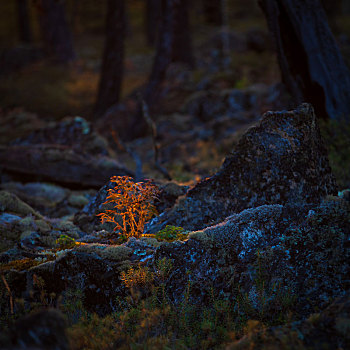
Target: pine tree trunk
{"type": "Point", "coordinates": [310, 61]}
{"type": "Point", "coordinates": [56, 34]}
{"type": "Point", "coordinates": [112, 65]}
{"type": "Point", "coordinates": [174, 45]}
{"type": "Point", "coordinates": [25, 32]}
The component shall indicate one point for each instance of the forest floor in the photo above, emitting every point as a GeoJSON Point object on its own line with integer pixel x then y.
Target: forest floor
{"type": "Point", "coordinates": [200, 120]}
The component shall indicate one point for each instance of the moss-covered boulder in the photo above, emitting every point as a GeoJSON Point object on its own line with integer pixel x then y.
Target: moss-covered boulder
{"type": "Point", "coordinates": [49, 199]}
{"type": "Point", "coordinates": [281, 160]}
{"type": "Point", "coordinates": [10, 203]}
{"type": "Point", "coordinates": [298, 253]}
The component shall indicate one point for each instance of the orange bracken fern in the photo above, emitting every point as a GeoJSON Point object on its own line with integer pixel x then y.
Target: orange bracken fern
{"type": "Point", "coordinates": [133, 202]}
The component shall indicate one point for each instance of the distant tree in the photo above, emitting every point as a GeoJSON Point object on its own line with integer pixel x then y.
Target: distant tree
{"type": "Point", "coordinates": [310, 61]}
{"type": "Point", "coordinates": [112, 64]}
{"type": "Point", "coordinates": [174, 44]}
{"type": "Point", "coordinates": [25, 32]}
{"type": "Point", "coordinates": [332, 8]}
{"type": "Point", "coordinates": [56, 34]}
{"type": "Point", "coordinates": [152, 20]}
{"type": "Point", "coordinates": [213, 12]}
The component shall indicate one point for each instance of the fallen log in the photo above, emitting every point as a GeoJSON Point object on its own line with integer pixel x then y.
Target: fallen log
{"type": "Point", "coordinates": [61, 164]}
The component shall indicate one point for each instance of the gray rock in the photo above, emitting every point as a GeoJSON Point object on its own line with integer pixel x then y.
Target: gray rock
{"type": "Point", "coordinates": [300, 251]}
{"type": "Point", "coordinates": [281, 160]}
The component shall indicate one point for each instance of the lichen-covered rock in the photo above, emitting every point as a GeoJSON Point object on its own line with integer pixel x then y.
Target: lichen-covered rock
{"type": "Point", "coordinates": [281, 160]}
{"type": "Point", "coordinates": [302, 249]}
{"type": "Point", "coordinates": [329, 329]}
{"type": "Point", "coordinates": [87, 218]}
{"type": "Point", "coordinates": [97, 278]}
{"type": "Point", "coordinates": [29, 231]}
{"type": "Point", "coordinates": [169, 192]}
{"type": "Point", "coordinates": [71, 131]}
{"type": "Point", "coordinates": [12, 224]}
{"type": "Point", "coordinates": [113, 253]}
{"type": "Point", "coordinates": [91, 270]}
{"type": "Point", "coordinates": [48, 199]}
{"type": "Point", "coordinates": [10, 203]}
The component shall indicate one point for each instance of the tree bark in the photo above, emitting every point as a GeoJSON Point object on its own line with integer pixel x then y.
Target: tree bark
{"type": "Point", "coordinates": [310, 61]}
{"type": "Point", "coordinates": [113, 57]}
{"type": "Point", "coordinates": [174, 45]}
{"type": "Point", "coordinates": [25, 32]}
{"type": "Point", "coordinates": [56, 33]}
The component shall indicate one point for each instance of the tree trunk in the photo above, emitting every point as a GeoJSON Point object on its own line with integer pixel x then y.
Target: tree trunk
{"type": "Point", "coordinates": [56, 34]}
{"type": "Point", "coordinates": [25, 32]}
{"type": "Point", "coordinates": [174, 45]}
{"type": "Point", "coordinates": [112, 65]}
{"type": "Point", "coordinates": [310, 61]}
{"type": "Point", "coordinates": [153, 15]}
{"type": "Point", "coordinates": [213, 12]}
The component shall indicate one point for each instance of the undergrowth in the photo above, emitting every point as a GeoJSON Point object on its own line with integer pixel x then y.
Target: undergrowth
{"type": "Point", "coordinates": [149, 319]}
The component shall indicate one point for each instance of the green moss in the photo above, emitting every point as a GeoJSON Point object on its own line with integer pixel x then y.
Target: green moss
{"type": "Point", "coordinates": [11, 203]}
{"type": "Point", "coordinates": [171, 233]}
{"type": "Point", "coordinates": [78, 201]}
{"type": "Point", "coordinates": [201, 236]}
{"type": "Point", "coordinates": [65, 242]}
{"type": "Point", "coordinates": [114, 252]}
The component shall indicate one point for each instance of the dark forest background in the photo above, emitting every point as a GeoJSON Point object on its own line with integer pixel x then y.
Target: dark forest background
{"type": "Point", "coordinates": [82, 58]}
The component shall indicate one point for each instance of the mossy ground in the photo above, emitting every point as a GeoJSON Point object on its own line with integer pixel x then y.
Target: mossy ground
{"type": "Point", "coordinates": [146, 318]}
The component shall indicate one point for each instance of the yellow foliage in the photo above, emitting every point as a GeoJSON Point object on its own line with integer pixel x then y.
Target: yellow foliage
{"type": "Point", "coordinates": [133, 202]}
{"type": "Point", "coordinates": [137, 277]}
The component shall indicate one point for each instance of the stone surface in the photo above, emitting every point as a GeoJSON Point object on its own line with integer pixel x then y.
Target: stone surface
{"type": "Point", "coordinates": [71, 131]}
{"type": "Point", "coordinates": [281, 160]}
{"type": "Point", "coordinates": [10, 203]}
{"type": "Point", "coordinates": [24, 227]}
{"type": "Point", "coordinates": [50, 200]}
{"type": "Point", "coordinates": [301, 249]}
{"type": "Point", "coordinates": [87, 218]}
{"type": "Point", "coordinates": [94, 271]}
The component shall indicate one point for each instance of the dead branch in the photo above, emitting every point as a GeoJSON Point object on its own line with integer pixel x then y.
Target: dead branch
{"type": "Point", "coordinates": [153, 127]}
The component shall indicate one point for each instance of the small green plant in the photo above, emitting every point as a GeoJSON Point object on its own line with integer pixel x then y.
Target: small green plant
{"type": "Point", "coordinates": [171, 233]}
{"type": "Point", "coordinates": [133, 202]}
{"type": "Point", "coordinates": [65, 242]}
